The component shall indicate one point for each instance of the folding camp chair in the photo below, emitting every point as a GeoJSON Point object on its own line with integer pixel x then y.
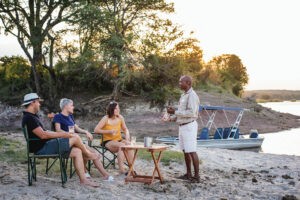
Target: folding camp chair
{"type": "Point", "coordinates": [72, 172]}
{"type": "Point", "coordinates": [31, 160]}
{"type": "Point", "coordinates": [108, 157]}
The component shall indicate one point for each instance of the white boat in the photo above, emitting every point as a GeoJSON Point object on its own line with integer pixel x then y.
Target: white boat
{"type": "Point", "coordinates": [241, 143]}
{"type": "Point", "coordinates": [225, 138]}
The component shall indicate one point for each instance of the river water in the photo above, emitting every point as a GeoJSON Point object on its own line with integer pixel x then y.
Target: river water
{"type": "Point", "coordinates": [283, 142]}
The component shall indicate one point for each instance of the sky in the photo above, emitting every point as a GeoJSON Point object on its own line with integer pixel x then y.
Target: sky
{"type": "Point", "coordinates": [265, 34]}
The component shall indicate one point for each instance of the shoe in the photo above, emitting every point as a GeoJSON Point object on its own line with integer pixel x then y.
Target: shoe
{"type": "Point", "coordinates": [87, 175]}
{"type": "Point", "coordinates": [110, 179]}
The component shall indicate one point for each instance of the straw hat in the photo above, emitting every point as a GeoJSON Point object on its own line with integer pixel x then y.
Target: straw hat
{"type": "Point", "coordinates": [28, 98]}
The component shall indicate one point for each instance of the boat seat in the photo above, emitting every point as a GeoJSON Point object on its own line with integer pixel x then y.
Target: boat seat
{"type": "Point", "coordinates": [218, 133]}
{"type": "Point", "coordinates": [226, 132]}
{"type": "Point", "coordinates": [253, 135]}
{"type": "Point", "coordinates": [236, 135]}
{"type": "Point", "coordinates": [204, 134]}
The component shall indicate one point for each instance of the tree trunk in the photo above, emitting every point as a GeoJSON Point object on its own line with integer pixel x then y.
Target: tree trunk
{"type": "Point", "coordinates": [36, 78]}
{"type": "Point", "coordinates": [52, 89]}
{"type": "Point", "coordinates": [36, 62]}
{"type": "Point", "coordinates": [116, 90]}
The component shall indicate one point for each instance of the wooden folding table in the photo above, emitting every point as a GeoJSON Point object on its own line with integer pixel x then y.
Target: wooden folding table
{"type": "Point", "coordinates": [132, 175]}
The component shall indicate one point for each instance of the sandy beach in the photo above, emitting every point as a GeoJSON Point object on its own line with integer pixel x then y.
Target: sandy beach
{"type": "Point", "coordinates": [225, 174]}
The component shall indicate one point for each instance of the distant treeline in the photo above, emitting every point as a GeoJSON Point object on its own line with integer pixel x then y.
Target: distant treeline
{"type": "Point", "coordinates": [117, 46]}
{"type": "Point", "coordinates": [272, 95]}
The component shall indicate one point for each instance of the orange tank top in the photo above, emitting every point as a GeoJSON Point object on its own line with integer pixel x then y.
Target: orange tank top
{"type": "Point", "coordinates": [115, 137]}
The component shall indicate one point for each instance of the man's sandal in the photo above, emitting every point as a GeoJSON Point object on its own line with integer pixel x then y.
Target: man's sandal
{"type": "Point", "coordinates": [195, 179]}
{"type": "Point", "coordinates": [185, 177]}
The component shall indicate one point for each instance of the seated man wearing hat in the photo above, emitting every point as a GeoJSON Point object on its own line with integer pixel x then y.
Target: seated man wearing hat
{"type": "Point", "coordinates": [71, 144]}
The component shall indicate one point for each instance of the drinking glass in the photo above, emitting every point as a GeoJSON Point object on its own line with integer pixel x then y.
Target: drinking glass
{"type": "Point", "coordinates": [71, 129]}
{"type": "Point", "coordinates": [133, 140]}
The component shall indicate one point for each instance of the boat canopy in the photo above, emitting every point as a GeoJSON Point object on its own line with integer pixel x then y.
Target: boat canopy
{"type": "Point", "coordinates": [232, 130]}
{"type": "Point", "coordinates": [201, 107]}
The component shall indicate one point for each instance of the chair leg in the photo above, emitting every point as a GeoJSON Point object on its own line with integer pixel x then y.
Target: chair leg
{"type": "Point", "coordinates": [62, 171]}
{"type": "Point", "coordinates": [29, 172]}
{"type": "Point", "coordinates": [47, 166]}
{"type": "Point", "coordinates": [103, 159]}
{"type": "Point", "coordinates": [65, 170]}
{"type": "Point", "coordinates": [71, 167]}
{"type": "Point", "coordinates": [34, 169]}
{"type": "Point", "coordinates": [89, 166]}
{"type": "Point", "coordinates": [51, 165]}
{"type": "Point", "coordinates": [114, 161]}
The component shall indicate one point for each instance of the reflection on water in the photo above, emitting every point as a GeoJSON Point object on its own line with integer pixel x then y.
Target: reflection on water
{"type": "Point", "coordinates": [284, 142]}
{"type": "Point", "coordinates": [284, 107]}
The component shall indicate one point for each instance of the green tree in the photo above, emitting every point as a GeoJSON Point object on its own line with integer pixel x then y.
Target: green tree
{"type": "Point", "coordinates": [120, 25]}
{"type": "Point", "coordinates": [231, 72]}
{"type": "Point", "coordinates": [190, 55]}
{"type": "Point", "coordinates": [14, 76]}
{"type": "Point", "coordinates": [35, 26]}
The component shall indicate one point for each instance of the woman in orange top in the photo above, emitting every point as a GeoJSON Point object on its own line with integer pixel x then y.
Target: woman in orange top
{"type": "Point", "coordinates": [110, 126]}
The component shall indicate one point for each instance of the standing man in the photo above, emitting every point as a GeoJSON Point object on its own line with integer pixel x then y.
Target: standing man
{"type": "Point", "coordinates": [186, 117]}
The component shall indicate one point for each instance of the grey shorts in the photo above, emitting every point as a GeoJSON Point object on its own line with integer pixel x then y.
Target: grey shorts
{"type": "Point", "coordinates": [51, 147]}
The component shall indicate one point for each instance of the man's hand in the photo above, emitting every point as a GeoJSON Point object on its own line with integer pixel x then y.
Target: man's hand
{"type": "Point", "coordinates": [89, 136]}
{"type": "Point", "coordinates": [70, 135]}
{"type": "Point", "coordinates": [171, 110]}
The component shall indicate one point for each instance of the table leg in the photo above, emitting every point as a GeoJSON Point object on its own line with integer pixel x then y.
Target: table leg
{"type": "Point", "coordinates": [130, 163]}
{"type": "Point", "coordinates": [156, 168]}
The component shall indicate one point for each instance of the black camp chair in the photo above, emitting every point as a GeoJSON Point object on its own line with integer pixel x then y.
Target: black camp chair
{"type": "Point", "coordinates": [72, 171]}
{"type": "Point", "coordinates": [31, 161]}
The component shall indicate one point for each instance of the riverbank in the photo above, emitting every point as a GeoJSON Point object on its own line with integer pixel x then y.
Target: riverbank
{"type": "Point", "coordinates": [225, 174]}
{"type": "Point", "coordinates": [145, 121]}
{"type": "Point", "coordinates": [263, 96]}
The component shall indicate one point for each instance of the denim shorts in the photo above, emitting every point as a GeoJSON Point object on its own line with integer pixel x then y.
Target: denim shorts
{"type": "Point", "coordinates": [51, 147]}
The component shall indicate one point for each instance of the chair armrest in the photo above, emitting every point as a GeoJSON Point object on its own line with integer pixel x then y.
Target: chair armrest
{"type": "Point", "coordinates": [96, 136]}
{"type": "Point", "coordinates": [34, 139]}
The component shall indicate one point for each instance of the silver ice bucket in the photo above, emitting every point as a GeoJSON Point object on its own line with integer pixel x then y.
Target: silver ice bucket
{"type": "Point", "coordinates": [148, 141]}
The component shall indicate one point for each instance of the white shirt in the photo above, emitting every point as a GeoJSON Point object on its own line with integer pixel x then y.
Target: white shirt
{"type": "Point", "coordinates": [188, 108]}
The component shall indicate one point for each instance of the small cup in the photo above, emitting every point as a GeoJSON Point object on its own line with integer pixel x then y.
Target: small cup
{"type": "Point", "coordinates": [148, 141]}
{"type": "Point", "coordinates": [132, 140]}
{"type": "Point", "coordinates": [71, 129]}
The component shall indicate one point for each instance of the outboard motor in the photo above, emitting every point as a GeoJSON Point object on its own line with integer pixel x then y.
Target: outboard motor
{"type": "Point", "coordinates": [253, 133]}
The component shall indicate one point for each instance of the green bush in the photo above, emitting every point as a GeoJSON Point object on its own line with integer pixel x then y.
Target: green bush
{"type": "Point", "coordinates": [14, 78]}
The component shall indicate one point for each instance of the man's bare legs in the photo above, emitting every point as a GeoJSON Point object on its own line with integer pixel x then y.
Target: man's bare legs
{"type": "Point", "coordinates": [195, 160]}
{"type": "Point", "coordinates": [115, 147]}
{"type": "Point", "coordinates": [76, 154]}
{"type": "Point", "coordinates": [97, 163]}
{"type": "Point", "coordinates": [75, 141]}
{"type": "Point", "coordinates": [188, 162]}
{"type": "Point", "coordinates": [190, 158]}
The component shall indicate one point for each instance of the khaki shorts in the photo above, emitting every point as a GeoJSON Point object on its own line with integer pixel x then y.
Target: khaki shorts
{"type": "Point", "coordinates": [188, 137]}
